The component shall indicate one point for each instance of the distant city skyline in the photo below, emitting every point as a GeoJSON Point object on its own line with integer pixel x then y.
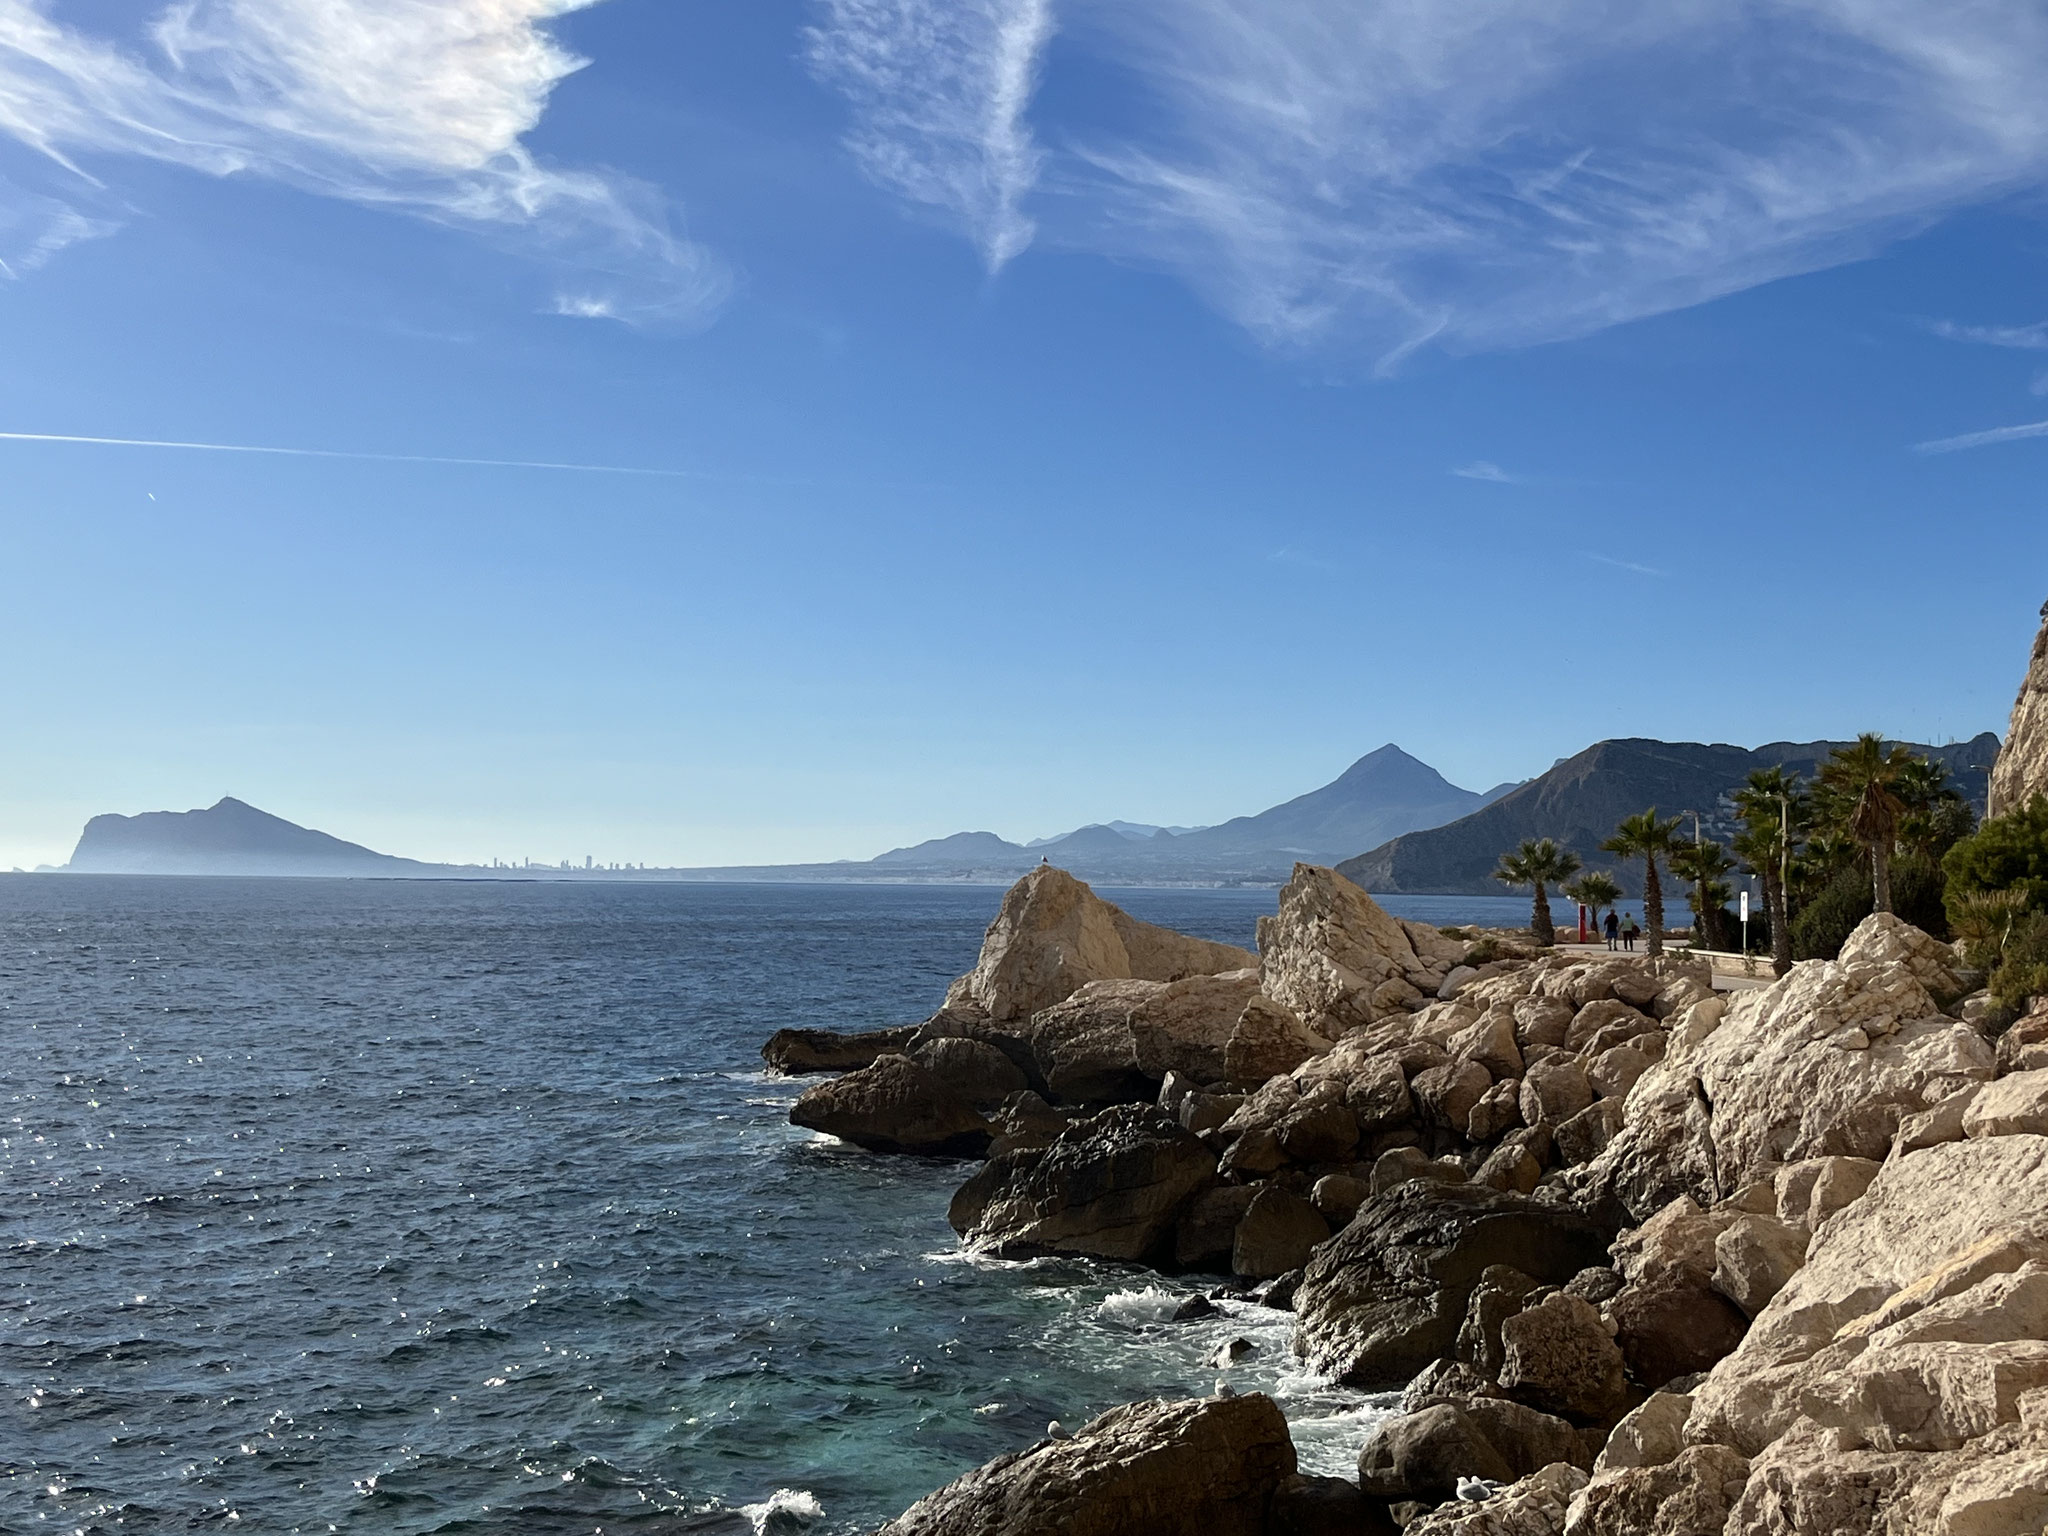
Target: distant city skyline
{"type": "Point", "coordinates": [788, 432]}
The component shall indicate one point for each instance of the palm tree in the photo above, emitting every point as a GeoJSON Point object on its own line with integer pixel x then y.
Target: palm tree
{"type": "Point", "coordinates": [1644, 837]}
{"type": "Point", "coordinates": [1868, 777]}
{"type": "Point", "coordinates": [1702, 864]}
{"type": "Point", "coordinates": [1593, 890]}
{"type": "Point", "coordinates": [1773, 808]}
{"type": "Point", "coordinates": [1537, 864]}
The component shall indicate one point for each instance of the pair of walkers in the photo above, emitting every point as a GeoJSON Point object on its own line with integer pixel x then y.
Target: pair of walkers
{"type": "Point", "coordinates": [1622, 935]}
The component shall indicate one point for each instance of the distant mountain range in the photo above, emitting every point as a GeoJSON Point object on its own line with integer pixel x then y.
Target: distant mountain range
{"type": "Point", "coordinates": [1579, 801]}
{"type": "Point", "coordinates": [1424, 833]}
{"type": "Point", "coordinates": [1382, 795]}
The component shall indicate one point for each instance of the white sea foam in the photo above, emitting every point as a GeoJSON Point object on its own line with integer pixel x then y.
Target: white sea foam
{"type": "Point", "coordinates": [787, 1510]}
{"type": "Point", "coordinates": [1154, 1304]}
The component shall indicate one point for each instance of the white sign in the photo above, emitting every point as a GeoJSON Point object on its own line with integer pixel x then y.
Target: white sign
{"type": "Point", "coordinates": [1745, 906]}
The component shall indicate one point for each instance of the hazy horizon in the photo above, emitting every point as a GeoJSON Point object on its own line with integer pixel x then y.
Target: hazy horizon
{"type": "Point", "coordinates": [795, 431]}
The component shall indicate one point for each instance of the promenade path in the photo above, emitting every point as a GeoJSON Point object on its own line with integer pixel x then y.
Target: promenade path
{"type": "Point", "coordinates": [1729, 973]}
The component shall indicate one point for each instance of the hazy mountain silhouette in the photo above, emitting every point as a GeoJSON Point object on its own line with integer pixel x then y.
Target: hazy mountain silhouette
{"type": "Point", "coordinates": [228, 838]}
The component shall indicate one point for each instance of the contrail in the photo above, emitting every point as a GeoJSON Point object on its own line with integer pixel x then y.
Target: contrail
{"type": "Point", "coordinates": [337, 453]}
{"type": "Point", "coordinates": [1983, 439]}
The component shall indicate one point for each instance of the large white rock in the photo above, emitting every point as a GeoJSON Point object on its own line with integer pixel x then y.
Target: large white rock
{"type": "Point", "coordinates": [1330, 947]}
{"type": "Point", "coordinates": [1053, 935]}
{"type": "Point", "coordinates": [1109, 1037]}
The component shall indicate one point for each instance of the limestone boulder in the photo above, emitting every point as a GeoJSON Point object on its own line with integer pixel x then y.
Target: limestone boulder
{"type": "Point", "coordinates": [1609, 1017]}
{"type": "Point", "coordinates": [1206, 1467]}
{"type": "Point", "coordinates": [976, 1070]}
{"type": "Point", "coordinates": [1499, 1110]}
{"type": "Point", "coordinates": [2024, 1046]}
{"type": "Point", "coordinates": [1112, 1186]}
{"type": "Point", "coordinates": [1329, 947]}
{"type": "Point", "coordinates": [1828, 1061]}
{"type": "Point", "coordinates": [1115, 1041]}
{"type": "Point", "coordinates": [1268, 1039]}
{"type": "Point", "coordinates": [799, 1051]}
{"type": "Point", "coordinates": [1887, 941]}
{"type": "Point", "coordinates": [1446, 1095]}
{"type": "Point", "coordinates": [1387, 1295]}
{"type": "Point", "coordinates": [1648, 1435]}
{"type": "Point", "coordinates": [1490, 1041]}
{"type": "Point", "coordinates": [1689, 1495]}
{"type": "Point", "coordinates": [1542, 1020]}
{"type": "Point", "coordinates": [1401, 1164]}
{"type": "Point", "coordinates": [1555, 1090]}
{"type": "Point", "coordinates": [1053, 935]}
{"type": "Point", "coordinates": [1337, 1197]}
{"type": "Point", "coordinates": [1589, 1133]}
{"type": "Point", "coordinates": [1534, 1506]}
{"type": "Point", "coordinates": [2015, 1105]}
{"type": "Point", "coordinates": [1424, 1455]}
{"type": "Point", "coordinates": [1753, 1258]}
{"type": "Point", "coordinates": [1933, 1226]}
{"type": "Point", "coordinates": [1278, 1232]}
{"type": "Point", "coordinates": [1559, 1356]}
{"type": "Point", "coordinates": [2021, 770]}
{"type": "Point", "coordinates": [894, 1105]}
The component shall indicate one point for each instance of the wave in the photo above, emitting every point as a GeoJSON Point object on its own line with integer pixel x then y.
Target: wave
{"type": "Point", "coordinates": [1154, 1304]}
{"type": "Point", "coordinates": [786, 1511]}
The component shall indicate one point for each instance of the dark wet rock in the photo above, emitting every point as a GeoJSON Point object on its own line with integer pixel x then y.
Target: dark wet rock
{"type": "Point", "coordinates": [1111, 1186]}
{"type": "Point", "coordinates": [1498, 1296]}
{"type": "Point", "coordinates": [1194, 1309]}
{"type": "Point", "coordinates": [1337, 1197]}
{"type": "Point", "coordinates": [1667, 1326]}
{"type": "Point", "coordinates": [1278, 1232]}
{"type": "Point", "coordinates": [1325, 1506]}
{"type": "Point", "coordinates": [797, 1051]}
{"type": "Point", "coordinates": [1230, 1351]}
{"type": "Point", "coordinates": [1207, 1230]}
{"type": "Point", "coordinates": [1386, 1296]}
{"type": "Point", "coordinates": [1206, 1467]}
{"type": "Point", "coordinates": [894, 1105]}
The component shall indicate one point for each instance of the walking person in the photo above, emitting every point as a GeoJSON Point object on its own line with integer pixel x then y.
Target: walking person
{"type": "Point", "coordinates": [1634, 932]}
{"type": "Point", "coordinates": [1613, 930]}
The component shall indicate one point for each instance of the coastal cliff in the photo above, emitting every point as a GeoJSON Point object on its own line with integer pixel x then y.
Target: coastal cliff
{"type": "Point", "coordinates": [1640, 1257]}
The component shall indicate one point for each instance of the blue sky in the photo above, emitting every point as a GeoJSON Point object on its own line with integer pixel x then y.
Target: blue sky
{"type": "Point", "coordinates": [1056, 410]}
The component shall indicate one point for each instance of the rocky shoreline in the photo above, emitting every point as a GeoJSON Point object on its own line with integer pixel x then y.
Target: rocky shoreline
{"type": "Point", "coordinates": [1642, 1259]}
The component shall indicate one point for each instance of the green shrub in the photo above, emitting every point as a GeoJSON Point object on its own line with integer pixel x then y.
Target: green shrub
{"type": "Point", "coordinates": [2023, 969]}
{"type": "Point", "coordinates": [1485, 952]}
{"type": "Point", "coordinates": [2009, 854]}
{"type": "Point", "coordinates": [1823, 922]}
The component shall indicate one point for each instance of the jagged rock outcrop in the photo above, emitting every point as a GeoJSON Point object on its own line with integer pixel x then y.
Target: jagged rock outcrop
{"type": "Point", "coordinates": [1337, 959]}
{"type": "Point", "coordinates": [1111, 1041]}
{"type": "Point", "coordinates": [1829, 1060]}
{"type": "Point", "coordinates": [894, 1105]}
{"type": "Point", "coordinates": [1385, 1297]}
{"type": "Point", "coordinates": [1535, 1506]}
{"type": "Point", "coordinates": [798, 1051]}
{"type": "Point", "coordinates": [1205, 1467]}
{"type": "Point", "coordinates": [1053, 935]}
{"type": "Point", "coordinates": [2021, 771]}
{"type": "Point", "coordinates": [1113, 1186]}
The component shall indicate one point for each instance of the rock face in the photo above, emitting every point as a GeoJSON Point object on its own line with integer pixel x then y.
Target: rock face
{"type": "Point", "coordinates": [1535, 1506]}
{"type": "Point", "coordinates": [2021, 771]}
{"type": "Point", "coordinates": [1331, 948]}
{"type": "Point", "coordinates": [1385, 1297]}
{"type": "Point", "coordinates": [1828, 1061]}
{"type": "Point", "coordinates": [823, 1050]}
{"type": "Point", "coordinates": [1112, 1041]}
{"type": "Point", "coordinates": [1209, 1467]}
{"type": "Point", "coordinates": [894, 1105]}
{"type": "Point", "coordinates": [1053, 935]}
{"type": "Point", "coordinates": [1112, 1187]}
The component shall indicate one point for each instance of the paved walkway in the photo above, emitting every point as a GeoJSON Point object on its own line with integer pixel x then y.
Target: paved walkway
{"type": "Point", "coordinates": [1729, 973]}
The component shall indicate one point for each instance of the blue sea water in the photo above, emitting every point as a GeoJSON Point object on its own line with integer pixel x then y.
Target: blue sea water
{"type": "Point", "coordinates": [438, 1207]}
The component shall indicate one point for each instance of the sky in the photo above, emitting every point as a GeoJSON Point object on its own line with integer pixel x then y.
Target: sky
{"type": "Point", "coordinates": [703, 433]}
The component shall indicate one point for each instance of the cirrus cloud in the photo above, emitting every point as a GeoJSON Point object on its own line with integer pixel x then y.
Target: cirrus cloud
{"type": "Point", "coordinates": [416, 105]}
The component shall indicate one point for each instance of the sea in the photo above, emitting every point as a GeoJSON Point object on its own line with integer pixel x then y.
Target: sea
{"type": "Point", "coordinates": [407, 1207]}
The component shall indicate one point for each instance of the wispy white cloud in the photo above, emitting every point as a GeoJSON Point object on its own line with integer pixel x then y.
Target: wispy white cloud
{"type": "Point", "coordinates": [2027, 338]}
{"type": "Point", "coordinates": [1486, 469]}
{"type": "Point", "coordinates": [939, 90]}
{"type": "Point", "coordinates": [1383, 174]}
{"type": "Point", "coordinates": [338, 453]}
{"type": "Point", "coordinates": [416, 105]}
{"type": "Point", "coordinates": [1983, 439]}
{"type": "Point", "coordinates": [1622, 565]}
